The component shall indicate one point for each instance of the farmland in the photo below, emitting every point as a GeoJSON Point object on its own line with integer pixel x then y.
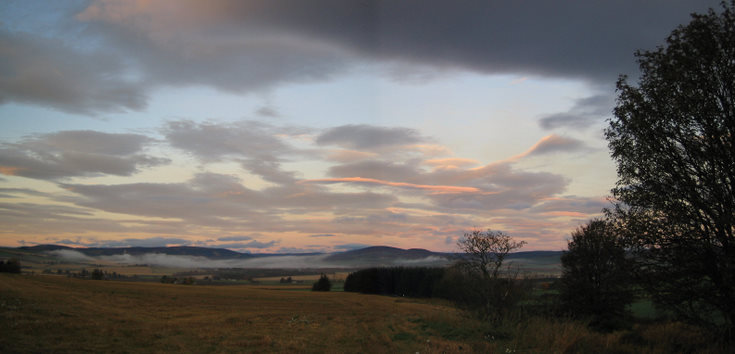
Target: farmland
{"type": "Point", "coordinates": [54, 313]}
{"type": "Point", "coordinates": [42, 313]}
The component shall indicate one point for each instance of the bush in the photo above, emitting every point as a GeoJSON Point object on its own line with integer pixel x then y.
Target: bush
{"type": "Point", "coordinates": [493, 299]}
{"type": "Point", "coordinates": [323, 284]}
{"type": "Point", "coordinates": [396, 281]}
{"type": "Point", "coordinates": [10, 266]}
{"type": "Point", "coordinates": [596, 275]}
{"type": "Point", "coordinates": [97, 274]}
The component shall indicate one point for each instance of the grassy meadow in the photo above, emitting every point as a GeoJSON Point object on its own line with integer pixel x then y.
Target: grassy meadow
{"type": "Point", "coordinates": [48, 313]}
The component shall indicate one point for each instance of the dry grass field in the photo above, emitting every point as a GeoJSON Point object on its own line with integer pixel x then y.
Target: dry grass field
{"type": "Point", "coordinates": [48, 313]}
{"type": "Point", "coordinates": [57, 314]}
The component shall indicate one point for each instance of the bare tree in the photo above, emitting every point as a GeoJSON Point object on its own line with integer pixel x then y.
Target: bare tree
{"type": "Point", "coordinates": [486, 251]}
{"type": "Point", "coordinates": [480, 287]}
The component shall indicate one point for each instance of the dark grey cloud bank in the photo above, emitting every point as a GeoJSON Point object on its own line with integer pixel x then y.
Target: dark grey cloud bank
{"type": "Point", "coordinates": [51, 73]}
{"type": "Point", "coordinates": [584, 113]}
{"type": "Point", "coordinates": [580, 39]}
{"type": "Point", "coordinates": [244, 46]}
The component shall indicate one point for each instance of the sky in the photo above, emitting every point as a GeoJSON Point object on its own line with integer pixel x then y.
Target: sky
{"type": "Point", "coordinates": [270, 126]}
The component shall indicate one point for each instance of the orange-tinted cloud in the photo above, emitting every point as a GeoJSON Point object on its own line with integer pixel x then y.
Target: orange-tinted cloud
{"type": "Point", "coordinates": [9, 170]}
{"type": "Point", "coordinates": [451, 163]}
{"type": "Point", "coordinates": [433, 188]}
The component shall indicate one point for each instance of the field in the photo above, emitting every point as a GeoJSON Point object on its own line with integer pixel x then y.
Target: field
{"type": "Point", "coordinates": [55, 313]}
{"type": "Point", "coordinates": [49, 313]}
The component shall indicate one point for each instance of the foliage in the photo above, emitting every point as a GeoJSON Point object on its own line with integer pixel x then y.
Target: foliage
{"type": "Point", "coordinates": [10, 266]}
{"type": "Point", "coordinates": [396, 281]}
{"type": "Point", "coordinates": [323, 284]}
{"type": "Point", "coordinates": [596, 279]}
{"type": "Point", "coordinates": [97, 274]}
{"type": "Point", "coordinates": [672, 140]}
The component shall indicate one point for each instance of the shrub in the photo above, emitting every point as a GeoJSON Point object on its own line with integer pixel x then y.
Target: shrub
{"type": "Point", "coordinates": [596, 275]}
{"type": "Point", "coordinates": [396, 281]}
{"type": "Point", "coordinates": [323, 284]}
{"type": "Point", "coordinates": [10, 266]}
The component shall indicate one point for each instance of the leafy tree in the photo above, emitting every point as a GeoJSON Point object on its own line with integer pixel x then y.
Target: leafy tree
{"type": "Point", "coordinates": [323, 284]}
{"type": "Point", "coordinates": [672, 139]}
{"type": "Point", "coordinates": [97, 274]}
{"type": "Point", "coordinates": [596, 278]}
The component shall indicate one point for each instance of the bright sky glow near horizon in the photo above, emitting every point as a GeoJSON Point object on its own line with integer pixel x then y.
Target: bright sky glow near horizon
{"type": "Point", "coordinates": [311, 126]}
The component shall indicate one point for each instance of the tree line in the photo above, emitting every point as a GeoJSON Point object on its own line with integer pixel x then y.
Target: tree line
{"type": "Point", "coordinates": [10, 266]}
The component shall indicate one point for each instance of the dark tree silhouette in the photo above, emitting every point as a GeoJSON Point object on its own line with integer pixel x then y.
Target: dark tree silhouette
{"type": "Point", "coordinates": [596, 280]}
{"type": "Point", "coordinates": [483, 290]}
{"type": "Point", "coordinates": [672, 140]}
{"type": "Point", "coordinates": [486, 251]}
{"type": "Point", "coordinates": [10, 266]}
{"type": "Point", "coordinates": [323, 284]}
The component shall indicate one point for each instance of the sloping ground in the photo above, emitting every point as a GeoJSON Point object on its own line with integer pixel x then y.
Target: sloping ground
{"type": "Point", "coordinates": [44, 313]}
{"type": "Point", "coordinates": [54, 313]}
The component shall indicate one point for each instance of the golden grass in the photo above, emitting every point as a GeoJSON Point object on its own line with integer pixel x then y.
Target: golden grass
{"type": "Point", "coordinates": [51, 313]}
{"type": "Point", "coordinates": [44, 313]}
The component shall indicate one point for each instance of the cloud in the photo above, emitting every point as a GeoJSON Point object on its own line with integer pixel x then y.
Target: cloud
{"type": "Point", "coordinates": [235, 238]}
{"type": "Point", "coordinates": [125, 242]}
{"type": "Point", "coordinates": [71, 255]}
{"type": "Point", "coordinates": [217, 200]}
{"type": "Point", "coordinates": [226, 45]}
{"type": "Point", "coordinates": [49, 73]}
{"type": "Point", "coordinates": [143, 242]}
{"type": "Point", "coordinates": [280, 41]}
{"type": "Point", "coordinates": [399, 198]}
{"type": "Point", "coordinates": [451, 163]}
{"type": "Point", "coordinates": [267, 111]}
{"type": "Point", "coordinates": [368, 137]}
{"type": "Point", "coordinates": [176, 261]}
{"type": "Point", "coordinates": [112, 54]}
{"type": "Point", "coordinates": [377, 169]}
{"type": "Point", "coordinates": [503, 186]}
{"type": "Point", "coordinates": [572, 204]}
{"type": "Point", "coordinates": [371, 181]}
{"type": "Point", "coordinates": [553, 144]}
{"type": "Point", "coordinates": [251, 244]}
{"type": "Point", "coordinates": [211, 141]}
{"type": "Point", "coordinates": [257, 146]}
{"type": "Point", "coordinates": [584, 113]}
{"type": "Point", "coordinates": [76, 153]}
{"type": "Point", "coordinates": [345, 156]}
{"type": "Point", "coordinates": [13, 192]}
{"type": "Point", "coordinates": [51, 218]}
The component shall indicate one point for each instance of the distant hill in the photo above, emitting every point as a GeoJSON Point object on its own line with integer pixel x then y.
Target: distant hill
{"type": "Point", "coordinates": [389, 256]}
{"type": "Point", "coordinates": [375, 256]}
{"type": "Point", "coordinates": [211, 253]}
{"type": "Point", "coordinates": [379, 252]}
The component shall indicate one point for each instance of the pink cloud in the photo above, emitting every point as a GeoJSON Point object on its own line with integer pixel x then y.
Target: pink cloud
{"type": "Point", "coordinates": [434, 188]}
